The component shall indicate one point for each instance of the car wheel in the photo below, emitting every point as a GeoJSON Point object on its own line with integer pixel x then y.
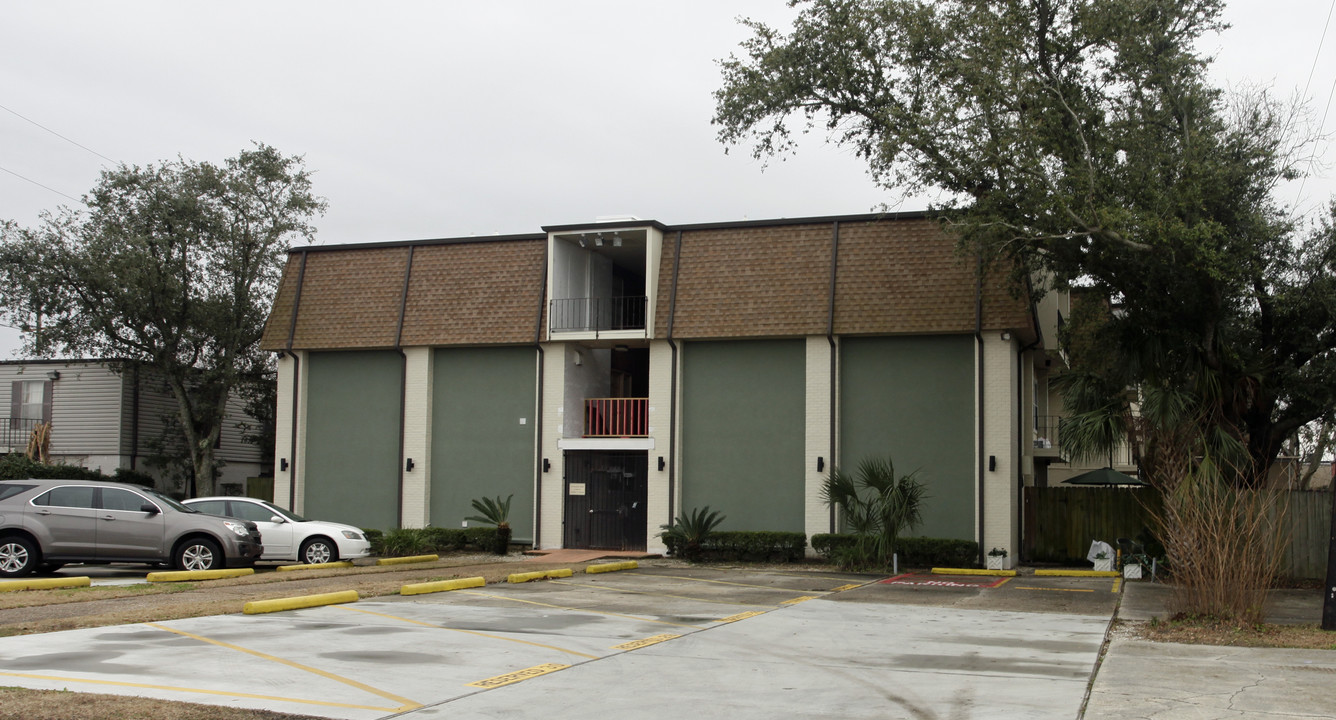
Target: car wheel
{"type": "Point", "coordinates": [318, 550]}
{"type": "Point", "coordinates": [199, 554]}
{"type": "Point", "coordinates": [18, 557]}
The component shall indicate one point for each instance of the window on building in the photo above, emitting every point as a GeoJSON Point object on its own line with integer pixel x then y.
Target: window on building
{"type": "Point", "coordinates": [31, 400]}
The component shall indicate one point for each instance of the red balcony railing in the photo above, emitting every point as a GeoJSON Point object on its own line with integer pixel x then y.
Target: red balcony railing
{"type": "Point", "coordinates": [617, 417]}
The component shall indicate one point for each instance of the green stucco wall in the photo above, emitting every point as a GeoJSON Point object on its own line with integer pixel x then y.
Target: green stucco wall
{"type": "Point", "coordinates": [352, 437]}
{"type": "Point", "coordinates": [912, 399]}
{"type": "Point", "coordinates": [479, 448]}
{"type": "Point", "coordinates": [743, 407]}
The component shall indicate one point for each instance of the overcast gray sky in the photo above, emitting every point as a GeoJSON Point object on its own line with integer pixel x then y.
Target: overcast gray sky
{"type": "Point", "coordinates": [441, 119]}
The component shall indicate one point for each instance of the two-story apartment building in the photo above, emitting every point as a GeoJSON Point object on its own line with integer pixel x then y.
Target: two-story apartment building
{"type": "Point", "coordinates": [105, 415]}
{"type": "Point", "coordinates": [611, 375]}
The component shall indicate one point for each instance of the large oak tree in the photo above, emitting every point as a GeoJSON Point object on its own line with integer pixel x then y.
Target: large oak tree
{"type": "Point", "coordinates": [171, 266]}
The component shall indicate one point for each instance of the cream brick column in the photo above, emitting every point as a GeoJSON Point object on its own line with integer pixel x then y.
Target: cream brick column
{"type": "Point", "coordinates": [1001, 501]}
{"type": "Point", "coordinates": [661, 422]}
{"type": "Point", "coordinates": [552, 486]}
{"type": "Point", "coordinates": [283, 431]}
{"type": "Point", "coordinates": [418, 367]}
{"type": "Point", "coordinates": [820, 414]}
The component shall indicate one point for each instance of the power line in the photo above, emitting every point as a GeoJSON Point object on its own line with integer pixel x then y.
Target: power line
{"type": "Point", "coordinates": [45, 187]}
{"type": "Point", "coordinates": [62, 137]}
{"type": "Point", "coordinates": [1313, 154]}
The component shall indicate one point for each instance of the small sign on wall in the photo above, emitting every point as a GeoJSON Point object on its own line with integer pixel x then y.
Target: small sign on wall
{"type": "Point", "coordinates": [577, 489]}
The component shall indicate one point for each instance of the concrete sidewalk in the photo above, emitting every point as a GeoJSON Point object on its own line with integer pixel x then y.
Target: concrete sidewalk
{"type": "Point", "coordinates": [1141, 680]}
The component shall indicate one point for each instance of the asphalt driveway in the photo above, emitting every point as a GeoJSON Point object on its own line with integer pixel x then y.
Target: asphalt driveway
{"type": "Point", "coordinates": [647, 643]}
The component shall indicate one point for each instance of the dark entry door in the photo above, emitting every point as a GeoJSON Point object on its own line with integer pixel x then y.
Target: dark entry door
{"type": "Point", "coordinates": [605, 500]}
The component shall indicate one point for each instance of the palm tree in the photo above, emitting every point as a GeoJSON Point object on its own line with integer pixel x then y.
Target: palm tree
{"type": "Point", "coordinates": [876, 506]}
{"type": "Point", "coordinates": [496, 513]}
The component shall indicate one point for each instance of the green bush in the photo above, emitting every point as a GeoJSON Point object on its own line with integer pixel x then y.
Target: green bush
{"type": "Point", "coordinates": [913, 551]}
{"type": "Point", "coordinates": [402, 542]}
{"type": "Point", "coordinates": [377, 540]}
{"type": "Point", "coordinates": [446, 538]}
{"type": "Point", "coordinates": [755, 546]}
{"type": "Point", "coordinates": [485, 539]}
{"type": "Point", "coordinates": [134, 477]}
{"type": "Point", "coordinates": [17, 466]}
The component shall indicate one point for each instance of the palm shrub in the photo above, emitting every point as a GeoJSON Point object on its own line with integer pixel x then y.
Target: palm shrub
{"type": "Point", "coordinates": [686, 534]}
{"type": "Point", "coordinates": [496, 513]}
{"type": "Point", "coordinates": [877, 506]}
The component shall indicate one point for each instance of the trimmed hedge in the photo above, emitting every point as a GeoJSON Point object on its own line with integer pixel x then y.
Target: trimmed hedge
{"type": "Point", "coordinates": [913, 551]}
{"type": "Point", "coordinates": [403, 542]}
{"type": "Point", "coordinates": [747, 545]}
{"type": "Point", "coordinates": [17, 466]}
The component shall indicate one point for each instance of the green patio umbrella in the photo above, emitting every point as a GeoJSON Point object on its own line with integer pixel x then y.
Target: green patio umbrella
{"type": "Point", "coordinates": [1104, 476]}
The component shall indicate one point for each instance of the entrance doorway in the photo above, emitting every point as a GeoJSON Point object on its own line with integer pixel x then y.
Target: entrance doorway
{"type": "Point", "coordinates": [605, 500]}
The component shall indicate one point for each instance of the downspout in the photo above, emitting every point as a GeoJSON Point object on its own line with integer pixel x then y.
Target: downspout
{"type": "Point", "coordinates": [830, 338]}
{"type": "Point", "coordinates": [134, 419]}
{"type": "Point", "coordinates": [978, 385]}
{"type": "Point", "coordinates": [538, 412]}
{"type": "Point", "coordinates": [296, 387]}
{"type": "Point", "coordinates": [672, 385]}
{"type": "Point", "coordinates": [403, 388]}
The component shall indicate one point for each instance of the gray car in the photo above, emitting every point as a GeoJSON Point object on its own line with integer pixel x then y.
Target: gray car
{"type": "Point", "coordinates": [47, 523]}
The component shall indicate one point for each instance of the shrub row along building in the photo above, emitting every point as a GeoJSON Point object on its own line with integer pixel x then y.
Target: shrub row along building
{"type": "Point", "coordinates": [612, 375]}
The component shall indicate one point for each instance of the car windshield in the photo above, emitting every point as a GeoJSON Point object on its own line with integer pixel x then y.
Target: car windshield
{"type": "Point", "coordinates": [168, 501]}
{"type": "Point", "coordinates": [290, 515]}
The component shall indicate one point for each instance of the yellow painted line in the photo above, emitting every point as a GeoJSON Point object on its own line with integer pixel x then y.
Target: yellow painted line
{"type": "Point", "coordinates": [842, 588]}
{"type": "Point", "coordinates": [518, 675]}
{"type": "Point", "coordinates": [404, 702]}
{"type": "Point", "coordinates": [408, 560]}
{"type": "Point", "coordinates": [795, 601]}
{"type": "Point", "coordinates": [1118, 583]}
{"type": "Point", "coordinates": [582, 610]}
{"type": "Point", "coordinates": [44, 584]}
{"type": "Point", "coordinates": [645, 642]}
{"type": "Point", "coordinates": [256, 607]}
{"type": "Point", "coordinates": [973, 571]}
{"type": "Point", "coordinates": [472, 632]}
{"type": "Point", "coordinates": [1027, 587]}
{"type": "Point", "coordinates": [652, 594]}
{"type": "Point", "coordinates": [539, 575]}
{"type": "Point", "coordinates": [316, 566]}
{"type": "Point", "coordinates": [202, 691]}
{"type": "Point", "coordinates": [441, 586]}
{"type": "Point", "coordinates": [1077, 573]}
{"type": "Point", "coordinates": [184, 575]}
{"type": "Point", "coordinates": [740, 616]}
{"type": "Point", "coordinates": [612, 567]}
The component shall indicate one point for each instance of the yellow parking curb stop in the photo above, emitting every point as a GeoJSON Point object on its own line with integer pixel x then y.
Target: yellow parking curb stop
{"type": "Point", "coordinates": [256, 607]}
{"type": "Point", "coordinates": [183, 575]}
{"type": "Point", "coordinates": [409, 559]}
{"type": "Point", "coordinates": [1077, 573]}
{"type": "Point", "coordinates": [612, 567]}
{"type": "Point", "coordinates": [539, 575]}
{"type": "Point", "coordinates": [441, 586]}
{"type": "Point", "coordinates": [45, 583]}
{"type": "Point", "coordinates": [973, 571]}
{"type": "Point", "coordinates": [316, 566]}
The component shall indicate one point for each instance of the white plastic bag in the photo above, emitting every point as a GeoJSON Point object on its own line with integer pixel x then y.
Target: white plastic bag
{"type": "Point", "coordinates": [1097, 547]}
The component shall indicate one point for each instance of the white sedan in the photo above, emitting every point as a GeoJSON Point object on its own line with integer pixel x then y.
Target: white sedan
{"type": "Point", "coordinates": [287, 535]}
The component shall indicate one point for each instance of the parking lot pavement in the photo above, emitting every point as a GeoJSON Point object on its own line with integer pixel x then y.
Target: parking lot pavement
{"type": "Point", "coordinates": [651, 643]}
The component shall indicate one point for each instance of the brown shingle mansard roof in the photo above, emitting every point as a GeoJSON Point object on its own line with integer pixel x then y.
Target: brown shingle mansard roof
{"type": "Point", "coordinates": [895, 274]}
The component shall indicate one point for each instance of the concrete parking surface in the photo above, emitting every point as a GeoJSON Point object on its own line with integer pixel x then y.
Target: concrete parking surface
{"type": "Point", "coordinates": [648, 643]}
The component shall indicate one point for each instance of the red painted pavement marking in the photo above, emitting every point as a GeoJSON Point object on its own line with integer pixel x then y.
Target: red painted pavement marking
{"type": "Point", "coordinates": [932, 581]}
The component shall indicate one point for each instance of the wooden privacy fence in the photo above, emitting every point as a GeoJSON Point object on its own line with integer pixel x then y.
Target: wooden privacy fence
{"type": "Point", "coordinates": [1060, 523]}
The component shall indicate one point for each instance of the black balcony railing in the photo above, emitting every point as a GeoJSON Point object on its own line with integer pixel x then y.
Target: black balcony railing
{"type": "Point", "coordinates": [14, 433]}
{"type": "Point", "coordinates": [588, 314]}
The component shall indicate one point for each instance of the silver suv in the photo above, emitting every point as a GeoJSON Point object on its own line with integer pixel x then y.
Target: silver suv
{"type": "Point", "coordinates": [47, 523]}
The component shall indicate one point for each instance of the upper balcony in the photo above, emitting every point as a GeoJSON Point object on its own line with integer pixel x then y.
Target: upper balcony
{"type": "Point", "coordinates": [602, 280]}
{"type": "Point", "coordinates": [15, 433]}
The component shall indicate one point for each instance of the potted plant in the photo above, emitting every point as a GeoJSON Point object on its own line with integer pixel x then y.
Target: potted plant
{"type": "Point", "coordinates": [1103, 563]}
{"type": "Point", "coordinates": [1132, 566]}
{"type": "Point", "coordinates": [997, 558]}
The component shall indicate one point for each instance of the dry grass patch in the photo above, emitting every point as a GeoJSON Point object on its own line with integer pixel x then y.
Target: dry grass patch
{"type": "Point", "coordinates": [21, 704]}
{"type": "Point", "coordinates": [1205, 631]}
